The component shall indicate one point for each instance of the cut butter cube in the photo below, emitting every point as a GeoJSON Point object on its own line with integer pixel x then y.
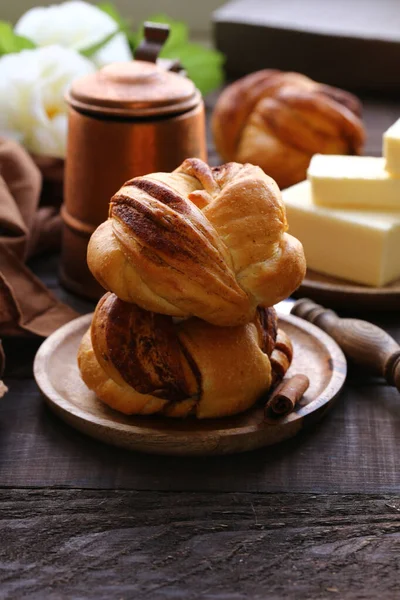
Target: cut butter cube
{"type": "Point", "coordinates": [391, 148]}
{"type": "Point", "coordinates": [360, 246]}
{"type": "Point", "coordinates": [353, 182]}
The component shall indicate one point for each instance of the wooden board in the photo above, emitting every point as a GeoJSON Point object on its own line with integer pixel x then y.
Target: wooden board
{"type": "Point", "coordinates": [333, 292]}
{"type": "Point", "coordinates": [57, 375]}
{"type": "Point", "coordinates": [120, 544]}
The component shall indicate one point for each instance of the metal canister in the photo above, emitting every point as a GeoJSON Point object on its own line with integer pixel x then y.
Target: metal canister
{"type": "Point", "coordinates": [126, 120]}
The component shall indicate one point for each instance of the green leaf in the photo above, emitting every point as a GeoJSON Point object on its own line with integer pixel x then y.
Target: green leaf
{"type": "Point", "coordinates": [123, 24]}
{"type": "Point", "coordinates": [11, 42]}
{"type": "Point", "coordinates": [132, 40]}
{"type": "Point", "coordinates": [203, 65]}
{"type": "Point", "coordinates": [91, 50]}
{"type": "Point", "coordinates": [110, 9]}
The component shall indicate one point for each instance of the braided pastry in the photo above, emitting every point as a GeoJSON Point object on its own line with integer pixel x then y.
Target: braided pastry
{"type": "Point", "coordinates": [201, 241]}
{"type": "Point", "coordinates": [278, 120]}
{"type": "Point", "coordinates": [140, 362]}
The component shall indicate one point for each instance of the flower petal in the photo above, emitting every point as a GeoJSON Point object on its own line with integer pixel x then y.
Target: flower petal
{"type": "Point", "coordinates": [32, 88]}
{"type": "Point", "coordinates": [75, 24]}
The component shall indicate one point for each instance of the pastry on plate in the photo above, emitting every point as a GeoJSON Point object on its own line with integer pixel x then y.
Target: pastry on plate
{"type": "Point", "coordinates": [139, 362]}
{"type": "Point", "coordinates": [205, 242]}
{"type": "Point", "coordinates": [279, 120]}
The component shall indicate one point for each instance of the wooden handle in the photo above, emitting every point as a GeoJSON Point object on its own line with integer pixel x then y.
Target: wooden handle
{"type": "Point", "coordinates": [364, 343]}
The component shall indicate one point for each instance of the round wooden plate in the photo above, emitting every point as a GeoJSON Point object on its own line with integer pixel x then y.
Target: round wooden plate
{"type": "Point", "coordinates": [337, 293]}
{"type": "Point", "coordinates": [57, 375]}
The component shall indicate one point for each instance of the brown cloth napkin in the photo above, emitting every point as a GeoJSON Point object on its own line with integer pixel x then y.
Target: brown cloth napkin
{"type": "Point", "coordinates": [26, 305]}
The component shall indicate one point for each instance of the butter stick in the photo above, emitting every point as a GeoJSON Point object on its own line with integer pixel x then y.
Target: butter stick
{"type": "Point", "coordinates": [360, 182]}
{"type": "Point", "coordinates": [391, 148]}
{"type": "Point", "coordinates": [359, 246]}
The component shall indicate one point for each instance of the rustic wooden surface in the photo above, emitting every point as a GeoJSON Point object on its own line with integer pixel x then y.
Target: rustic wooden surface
{"type": "Point", "coordinates": [316, 517]}
{"type": "Point", "coordinates": [59, 544]}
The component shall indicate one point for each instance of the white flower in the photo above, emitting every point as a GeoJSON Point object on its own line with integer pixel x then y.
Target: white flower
{"type": "Point", "coordinates": [76, 25]}
{"type": "Point", "coordinates": [32, 88]}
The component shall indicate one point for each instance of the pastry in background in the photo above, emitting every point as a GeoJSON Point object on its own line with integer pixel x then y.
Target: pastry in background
{"type": "Point", "coordinates": [279, 120]}
{"type": "Point", "coordinates": [200, 241]}
{"type": "Point", "coordinates": [139, 362]}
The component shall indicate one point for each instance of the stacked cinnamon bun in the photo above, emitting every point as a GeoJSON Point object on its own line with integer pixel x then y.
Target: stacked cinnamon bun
{"type": "Point", "coordinates": [194, 261]}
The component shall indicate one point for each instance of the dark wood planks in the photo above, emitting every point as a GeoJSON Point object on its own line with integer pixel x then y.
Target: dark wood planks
{"type": "Point", "coordinates": [59, 544]}
{"type": "Point", "coordinates": [356, 448]}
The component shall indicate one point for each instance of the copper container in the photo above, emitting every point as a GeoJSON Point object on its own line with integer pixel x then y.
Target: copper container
{"type": "Point", "coordinates": [128, 119]}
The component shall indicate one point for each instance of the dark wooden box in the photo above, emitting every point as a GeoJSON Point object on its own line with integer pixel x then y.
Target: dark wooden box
{"type": "Point", "coordinates": [353, 44]}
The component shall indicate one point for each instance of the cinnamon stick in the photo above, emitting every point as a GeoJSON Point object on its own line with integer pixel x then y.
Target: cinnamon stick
{"type": "Point", "coordinates": [281, 357]}
{"type": "Point", "coordinates": [284, 399]}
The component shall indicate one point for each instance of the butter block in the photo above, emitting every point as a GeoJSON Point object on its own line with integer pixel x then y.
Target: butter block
{"type": "Point", "coordinates": [353, 182]}
{"type": "Point", "coordinates": [391, 148]}
{"type": "Point", "coordinates": [360, 246]}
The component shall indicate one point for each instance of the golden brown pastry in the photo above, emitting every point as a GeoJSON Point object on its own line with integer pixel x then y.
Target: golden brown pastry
{"type": "Point", "coordinates": [201, 241]}
{"type": "Point", "coordinates": [278, 120]}
{"type": "Point", "coordinates": [140, 362]}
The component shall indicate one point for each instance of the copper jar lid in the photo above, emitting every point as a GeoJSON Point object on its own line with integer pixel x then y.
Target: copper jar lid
{"type": "Point", "coordinates": [134, 89]}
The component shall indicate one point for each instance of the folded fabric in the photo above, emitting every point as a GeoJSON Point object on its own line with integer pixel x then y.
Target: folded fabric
{"type": "Point", "coordinates": [3, 388]}
{"type": "Point", "coordinates": [26, 305]}
{"type": "Point", "coordinates": [24, 227]}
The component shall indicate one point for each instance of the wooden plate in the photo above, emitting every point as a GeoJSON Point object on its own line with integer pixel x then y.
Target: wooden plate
{"type": "Point", "coordinates": [57, 375]}
{"type": "Point", "coordinates": [337, 293]}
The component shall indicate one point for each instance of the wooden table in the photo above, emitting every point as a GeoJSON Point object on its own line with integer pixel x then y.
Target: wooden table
{"type": "Point", "coordinates": [315, 517]}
